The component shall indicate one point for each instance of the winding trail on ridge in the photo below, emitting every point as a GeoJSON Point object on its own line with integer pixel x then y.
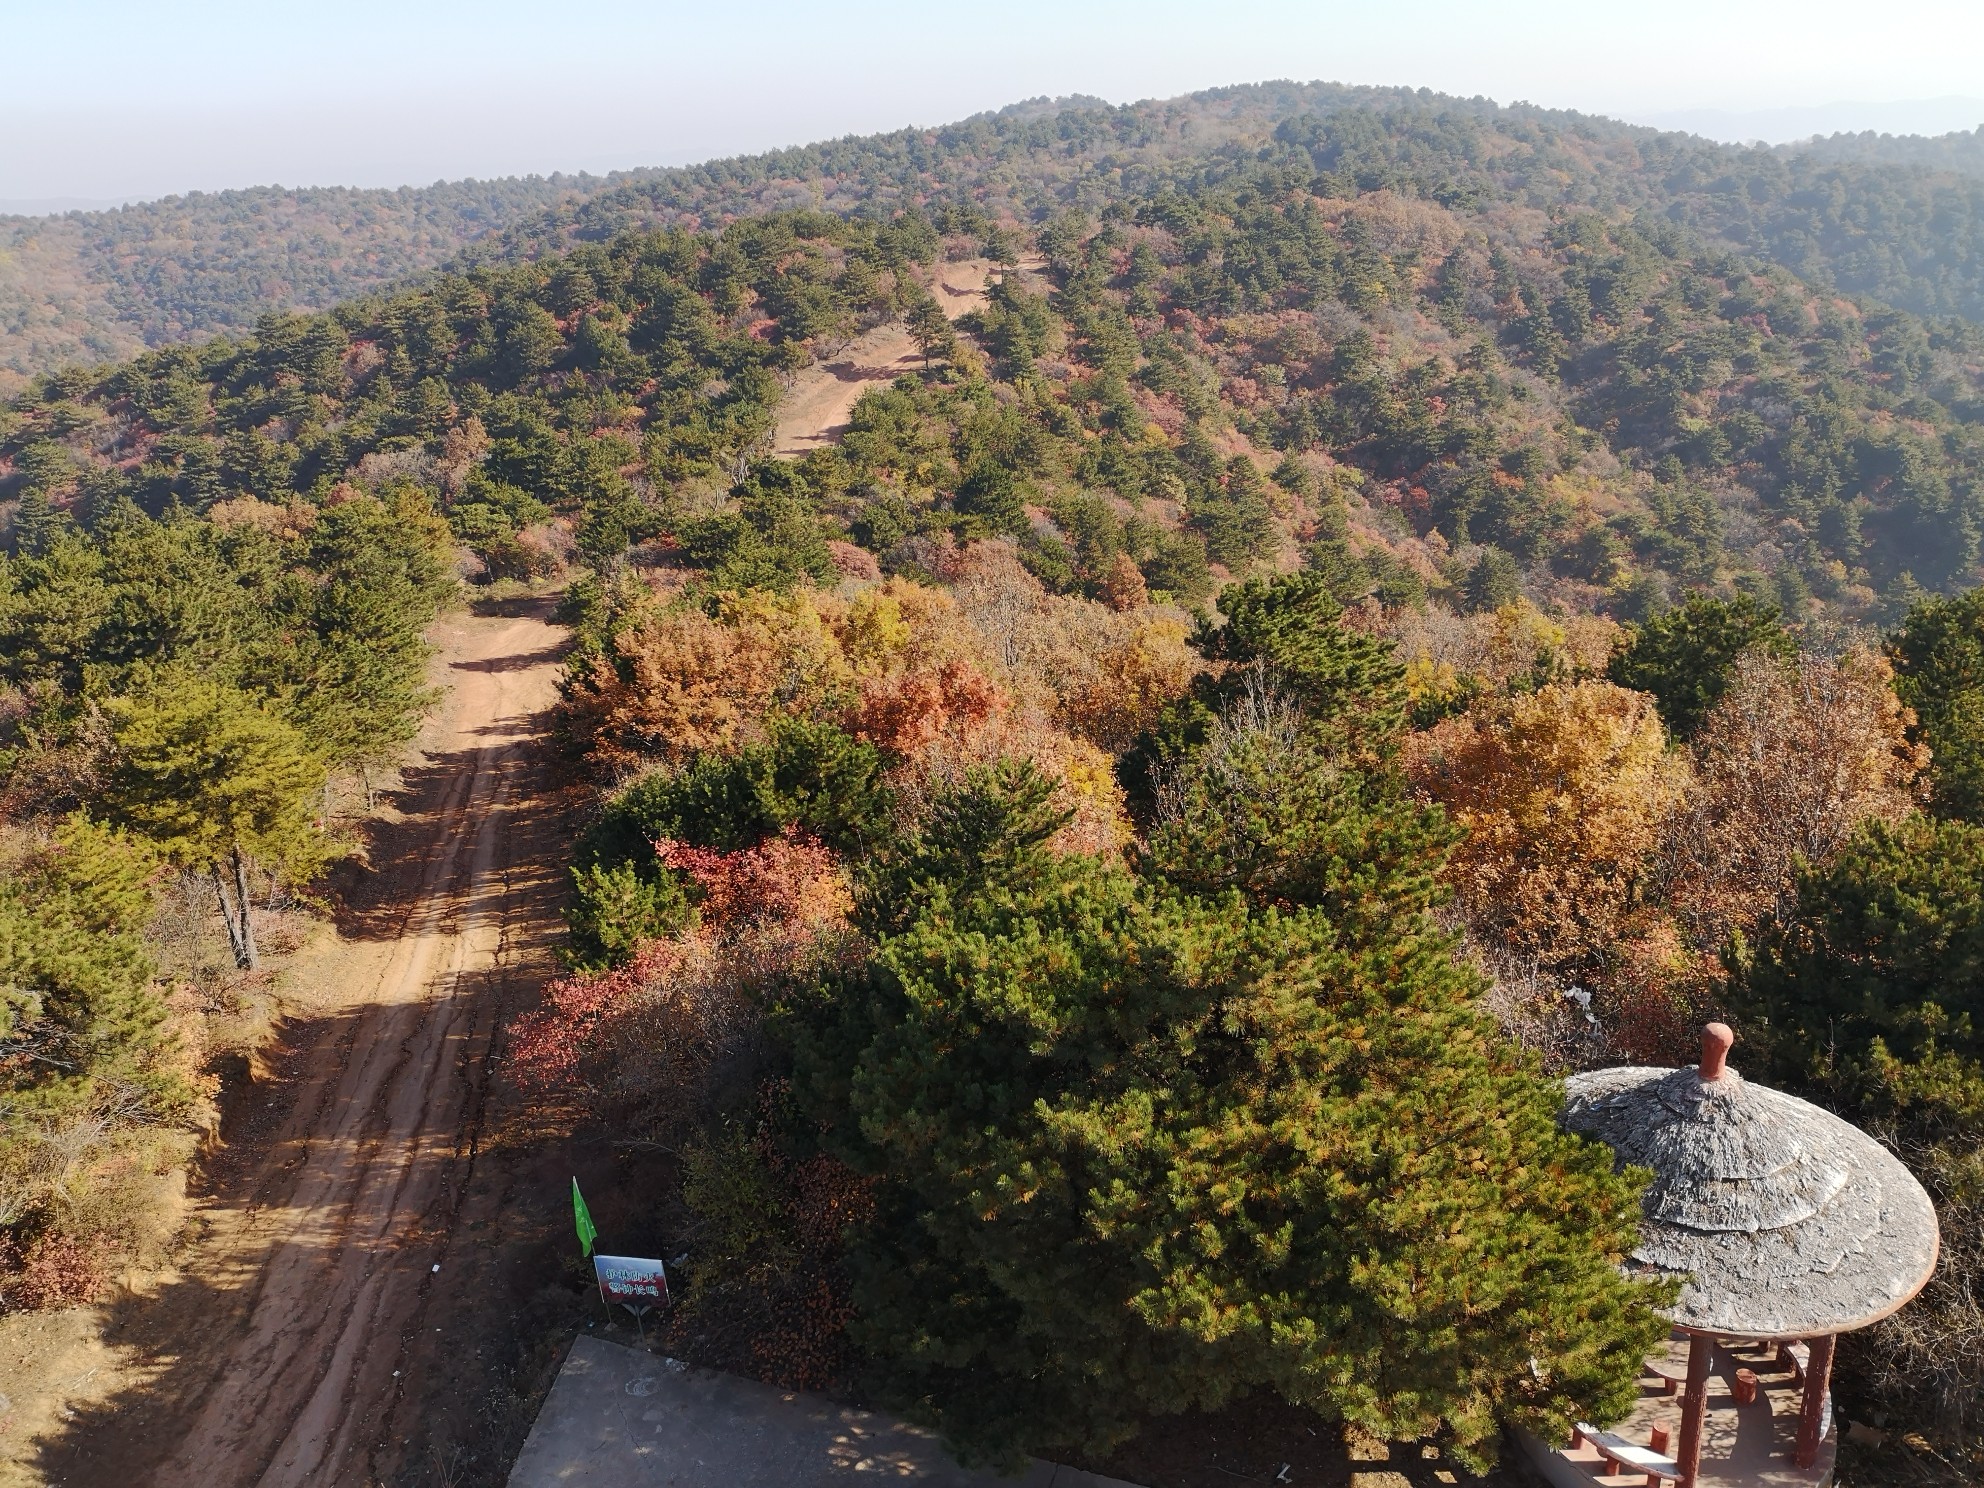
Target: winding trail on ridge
{"type": "Point", "coordinates": [817, 407]}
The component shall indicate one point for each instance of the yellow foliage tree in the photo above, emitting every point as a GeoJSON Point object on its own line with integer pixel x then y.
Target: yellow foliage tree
{"type": "Point", "coordinates": [1563, 794]}
{"type": "Point", "coordinates": [1452, 658]}
{"type": "Point", "coordinates": [1136, 672]}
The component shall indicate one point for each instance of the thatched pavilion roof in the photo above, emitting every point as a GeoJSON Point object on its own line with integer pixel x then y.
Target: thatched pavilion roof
{"type": "Point", "coordinates": [1787, 1221]}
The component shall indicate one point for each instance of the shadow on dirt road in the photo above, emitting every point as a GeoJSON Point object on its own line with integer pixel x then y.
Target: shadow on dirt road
{"type": "Point", "coordinates": [371, 1286]}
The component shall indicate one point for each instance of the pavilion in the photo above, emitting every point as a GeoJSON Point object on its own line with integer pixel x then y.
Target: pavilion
{"type": "Point", "coordinates": [1788, 1227]}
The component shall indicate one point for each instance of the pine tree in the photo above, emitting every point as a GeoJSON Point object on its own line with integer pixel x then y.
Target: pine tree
{"type": "Point", "coordinates": [1263, 804]}
{"type": "Point", "coordinates": [354, 682]}
{"type": "Point", "coordinates": [1869, 990]}
{"type": "Point", "coordinates": [1493, 581]}
{"type": "Point", "coordinates": [214, 781]}
{"type": "Point", "coordinates": [36, 523]}
{"type": "Point", "coordinates": [1685, 657]}
{"type": "Point", "coordinates": [1288, 628]}
{"type": "Point", "coordinates": [1938, 656]}
{"type": "Point", "coordinates": [930, 329]}
{"type": "Point", "coordinates": [77, 1005]}
{"type": "Point", "coordinates": [1140, 1150]}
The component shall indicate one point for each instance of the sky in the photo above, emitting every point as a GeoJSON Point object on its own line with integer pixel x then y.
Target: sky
{"type": "Point", "coordinates": [108, 100]}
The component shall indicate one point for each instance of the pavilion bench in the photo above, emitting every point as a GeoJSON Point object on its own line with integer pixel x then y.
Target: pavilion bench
{"type": "Point", "coordinates": [1622, 1456]}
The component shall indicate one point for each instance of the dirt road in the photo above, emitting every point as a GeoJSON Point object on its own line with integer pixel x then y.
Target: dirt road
{"type": "Point", "coordinates": [378, 1278]}
{"type": "Point", "coordinates": [333, 1237]}
{"type": "Point", "coordinates": [815, 412]}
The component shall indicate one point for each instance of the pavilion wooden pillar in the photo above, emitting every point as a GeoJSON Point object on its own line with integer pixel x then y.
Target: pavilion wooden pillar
{"type": "Point", "coordinates": [1812, 1409]}
{"type": "Point", "coordinates": [1694, 1406]}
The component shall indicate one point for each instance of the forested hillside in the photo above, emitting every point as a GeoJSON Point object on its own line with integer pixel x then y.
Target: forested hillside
{"type": "Point", "coordinates": [1959, 152]}
{"type": "Point", "coordinates": [1346, 602]}
{"type": "Point", "coordinates": [1904, 233]}
{"type": "Point", "coordinates": [1592, 402]}
{"type": "Point", "coordinates": [1896, 220]}
{"type": "Point", "coordinates": [89, 287]}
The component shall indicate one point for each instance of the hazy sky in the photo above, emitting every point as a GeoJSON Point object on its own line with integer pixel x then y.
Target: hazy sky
{"type": "Point", "coordinates": [116, 98]}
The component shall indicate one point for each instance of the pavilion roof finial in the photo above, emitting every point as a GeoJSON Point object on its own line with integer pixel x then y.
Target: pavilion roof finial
{"type": "Point", "coordinates": [1716, 1039]}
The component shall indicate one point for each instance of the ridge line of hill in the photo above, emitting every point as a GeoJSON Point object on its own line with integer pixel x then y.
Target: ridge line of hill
{"type": "Point", "coordinates": [97, 287]}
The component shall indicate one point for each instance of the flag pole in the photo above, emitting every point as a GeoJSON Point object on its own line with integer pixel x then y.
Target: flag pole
{"type": "Point", "coordinates": [588, 1234]}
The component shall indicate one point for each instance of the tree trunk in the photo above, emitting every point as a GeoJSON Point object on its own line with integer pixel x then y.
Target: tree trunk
{"type": "Point", "coordinates": [229, 919]}
{"type": "Point", "coordinates": [246, 956]}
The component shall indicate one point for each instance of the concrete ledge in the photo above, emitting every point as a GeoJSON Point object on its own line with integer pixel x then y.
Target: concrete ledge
{"type": "Point", "coordinates": [620, 1418]}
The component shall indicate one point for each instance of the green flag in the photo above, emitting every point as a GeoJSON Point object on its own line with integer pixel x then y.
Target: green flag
{"type": "Point", "coordinates": [582, 1217]}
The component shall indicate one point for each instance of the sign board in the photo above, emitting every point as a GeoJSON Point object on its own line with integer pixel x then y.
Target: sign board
{"type": "Point", "coordinates": [631, 1280]}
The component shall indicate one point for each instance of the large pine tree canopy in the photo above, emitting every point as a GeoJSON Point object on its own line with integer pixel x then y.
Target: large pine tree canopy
{"type": "Point", "coordinates": [1142, 1151]}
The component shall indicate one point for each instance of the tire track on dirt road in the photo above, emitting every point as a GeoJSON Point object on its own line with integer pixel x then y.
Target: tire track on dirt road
{"type": "Point", "coordinates": [299, 1345]}
{"type": "Point", "coordinates": [318, 1266]}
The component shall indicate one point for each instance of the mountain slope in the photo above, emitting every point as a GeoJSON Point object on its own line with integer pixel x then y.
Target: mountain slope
{"type": "Point", "coordinates": [1909, 233]}
{"type": "Point", "coordinates": [101, 286]}
{"type": "Point", "coordinates": [1961, 152]}
{"type": "Point", "coordinates": [1896, 221]}
{"type": "Point", "coordinates": [1455, 389]}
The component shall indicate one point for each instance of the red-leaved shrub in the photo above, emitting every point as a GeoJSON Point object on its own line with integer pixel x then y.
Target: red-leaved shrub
{"type": "Point", "coordinates": [546, 1044]}
{"type": "Point", "coordinates": [656, 1042]}
{"type": "Point", "coordinates": [790, 881]}
{"type": "Point", "coordinates": [906, 712]}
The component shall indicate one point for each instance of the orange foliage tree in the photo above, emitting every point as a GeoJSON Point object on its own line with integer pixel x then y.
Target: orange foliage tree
{"type": "Point", "coordinates": [673, 684]}
{"type": "Point", "coordinates": [1563, 794]}
{"type": "Point", "coordinates": [1135, 672]}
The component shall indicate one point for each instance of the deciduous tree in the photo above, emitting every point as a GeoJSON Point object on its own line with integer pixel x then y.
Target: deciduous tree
{"type": "Point", "coordinates": [1562, 794]}
{"type": "Point", "coordinates": [1795, 758]}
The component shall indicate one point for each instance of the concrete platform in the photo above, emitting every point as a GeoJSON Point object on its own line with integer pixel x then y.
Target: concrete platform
{"type": "Point", "coordinates": [621, 1418]}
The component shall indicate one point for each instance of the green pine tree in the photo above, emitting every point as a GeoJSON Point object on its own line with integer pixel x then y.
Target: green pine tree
{"type": "Point", "coordinates": [1938, 656]}
{"type": "Point", "coordinates": [36, 523]}
{"type": "Point", "coordinates": [351, 673]}
{"type": "Point", "coordinates": [1684, 657]}
{"type": "Point", "coordinates": [78, 1010]}
{"type": "Point", "coordinates": [1869, 993]}
{"type": "Point", "coordinates": [1265, 805]}
{"type": "Point", "coordinates": [215, 781]}
{"type": "Point", "coordinates": [1140, 1150]}
{"type": "Point", "coordinates": [930, 329]}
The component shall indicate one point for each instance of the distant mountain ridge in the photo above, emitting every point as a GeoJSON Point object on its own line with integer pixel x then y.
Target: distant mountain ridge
{"type": "Point", "coordinates": [96, 286]}
{"type": "Point", "coordinates": [1961, 151]}
{"type": "Point", "coordinates": [1899, 220]}
{"type": "Point", "coordinates": [55, 206]}
{"type": "Point", "coordinates": [1919, 118]}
